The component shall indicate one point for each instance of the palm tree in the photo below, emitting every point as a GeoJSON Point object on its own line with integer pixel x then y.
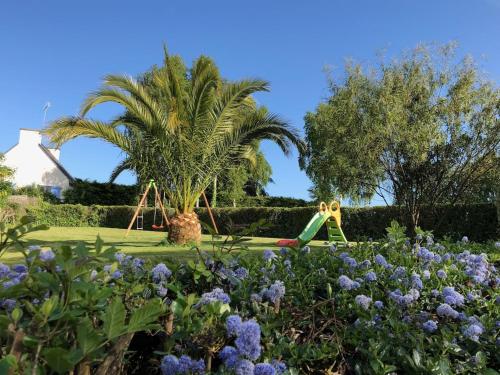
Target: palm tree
{"type": "Point", "coordinates": [182, 128]}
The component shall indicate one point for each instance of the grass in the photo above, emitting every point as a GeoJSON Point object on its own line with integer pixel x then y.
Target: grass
{"type": "Point", "coordinates": [138, 243]}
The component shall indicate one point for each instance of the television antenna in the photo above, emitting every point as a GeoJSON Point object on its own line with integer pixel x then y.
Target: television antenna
{"type": "Point", "coordinates": [45, 109]}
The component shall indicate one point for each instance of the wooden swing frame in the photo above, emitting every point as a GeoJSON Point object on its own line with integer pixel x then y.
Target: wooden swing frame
{"type": "Point", "coordinates": [162, 208]}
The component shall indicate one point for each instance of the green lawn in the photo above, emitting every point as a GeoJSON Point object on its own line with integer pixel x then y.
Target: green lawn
{"type": "Point", "coordinates": [138, 243]}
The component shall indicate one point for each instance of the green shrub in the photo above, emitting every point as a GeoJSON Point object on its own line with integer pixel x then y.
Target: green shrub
{"type": "Point", "coordinates": [478, 221]}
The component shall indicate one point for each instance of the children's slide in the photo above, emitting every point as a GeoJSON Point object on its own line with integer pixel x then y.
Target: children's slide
{"type": "Point", "coordinates": [326, 214]}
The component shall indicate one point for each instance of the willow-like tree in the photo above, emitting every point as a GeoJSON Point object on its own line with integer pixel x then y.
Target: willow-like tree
{"type": "Point", "coordinates": [420, 130]}
{"type": "Point", "coordinates": [181, 127]}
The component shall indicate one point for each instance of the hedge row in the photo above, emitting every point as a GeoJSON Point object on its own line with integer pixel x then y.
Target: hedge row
{"type": "Point", "coordinates": [478, 222]}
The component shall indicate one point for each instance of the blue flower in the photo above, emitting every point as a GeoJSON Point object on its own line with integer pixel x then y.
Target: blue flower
{"type": "Point", "coordinates": [275, 292]}
{"type": "Point", "coordinates": [365, 264]}
{"type": "Point", "coordinates": [280, 367]}
{"type": "Point", "coordinates": [4, 270]}
{"type": "Point", "coordinates": [363, 301]}
{"type": "Point", "coordinates": [380, 260]}
{"type": "Point", "coordinates": [229, 355]}
{"type": "Point", "coordinates": [248, 340]}
{"type": "Point", "coordinates": [347, 284]}
{"type": "Point", "coordinates": [427, 274]}
{"type": "Point", "coordinates": [430, 326]}
{"type": "Point", "coordinates": [452, 297]}
{"type": "Point", "coordinates": [378, 304]}
{"type": "Point", "coordinates": [233, 324]}
{"type": "Point", "coordinates": [244, 367]}
{"type": "Point", "coordinates": [351, 262]}
{"type": "Point", "coordinates": [416, 281]}
{"type": "Point", "coordinates": [8, 304]}
{"type": "Point", "coordinates": [269, 255]}
{"type": "Point", "coordinates": [161, 290]}
{"type": "Point", "coordinates": [120, 257]}
{"type": "Point", "coordinates": [47, 255]}
{"type": "Point", "coordinates": [255, 297]}
{"type": "Point", "coordinates": [19, 268]}
{"type": "Point", "coordinates": [241, 273]}
{"type": "Point", "coordinates": [169, 365]}
{"type": "Point", "coordinates": [283, 251]}
{"type": "Point", "coordinates": [465, 239]}
{"type": "Point", "coordinates": [215, 295]}
{"type": "Point", "coordinates": [160, 272]}
{"type": "Point", "coordinates": [116, 275]}
{"type": "Point", "coordinates": [137, 264]}
{"type": "Point", "coordinates": [441, 274]}
{"type": "Point", "coordinates": [306, 250]}
{"type": "Point", "coordinates": [399, 273]}
{"type": "Point", "coordinates": [446, 310]}
{"type": "Point", "coordinates": [473, 331]}
{"type": "Point", "coordinates": [371, 276]}
{"type": "Point", "coordinates": [264, 369]}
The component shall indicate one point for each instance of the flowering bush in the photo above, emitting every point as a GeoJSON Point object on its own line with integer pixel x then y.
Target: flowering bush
{"type": "Point", "coordinates": [393, 306]}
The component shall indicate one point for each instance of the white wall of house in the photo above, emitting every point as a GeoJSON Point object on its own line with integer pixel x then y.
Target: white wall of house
{"type": "Point", "coordinates": [33, 166]}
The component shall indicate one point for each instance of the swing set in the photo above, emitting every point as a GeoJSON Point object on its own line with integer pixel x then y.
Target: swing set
{"type": "Point", "coordinates": [138, 217]}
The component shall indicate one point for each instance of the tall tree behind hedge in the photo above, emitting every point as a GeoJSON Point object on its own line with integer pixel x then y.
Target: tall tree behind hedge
{"type": "Point", "coordinates": [107, 194]}
{"type": "Point", "coordinates": [420, 129]}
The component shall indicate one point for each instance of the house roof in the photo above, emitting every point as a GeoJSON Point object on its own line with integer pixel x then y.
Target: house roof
{"type": "Point", "coordinates": [56, 162]}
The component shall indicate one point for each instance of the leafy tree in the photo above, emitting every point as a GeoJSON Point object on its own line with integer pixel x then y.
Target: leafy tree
{"type": "Point", "coordinates": [6, 174]}
{"type": "Point", "coordinates": [240, 181]}
{"type": "Point", "coordinates": [182, 127]}
{"type": "Point", "coordinates": [421, 129]}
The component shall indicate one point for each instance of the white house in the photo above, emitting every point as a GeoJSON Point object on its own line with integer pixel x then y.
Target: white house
{"type": "Point", "coordinates": [35, 164]}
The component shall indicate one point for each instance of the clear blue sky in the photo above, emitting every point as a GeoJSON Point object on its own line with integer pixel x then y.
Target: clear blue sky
{"type": "Point", "coordinates": [58, 51]}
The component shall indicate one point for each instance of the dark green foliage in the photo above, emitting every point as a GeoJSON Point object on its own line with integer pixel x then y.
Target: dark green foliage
{"type": "Point", "coordinates": [92, 192]}
{"type": "Point", "coordinates": [478, 221]}
{"type": "Point", "coordinates": [267, 201]}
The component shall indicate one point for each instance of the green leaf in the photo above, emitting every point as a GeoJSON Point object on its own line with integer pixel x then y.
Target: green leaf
{"type": "Point", "coordinates": [114, 319]}
{"type": "Point", "coordinates": [8, 363]}
{"type": "Point", "coordinates": [49, 306]}
{"type": "Point", "coordinates": [16, 314]}
{"type": "Point", "coordinates": [58, 359]}
{"type": "Point", "coordinates": [87, 337]}
{"type": "Point", "coordinates": [145, 315]}
{"type": "Point", "coordinates": [416, 358]}
{"type": "Point", "coordinates": [98, 245]}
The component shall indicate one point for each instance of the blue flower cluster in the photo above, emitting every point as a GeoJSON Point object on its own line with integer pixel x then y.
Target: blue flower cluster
{"type": "Point", "coordinates": [430, 326]}
{"type": "Point", "coordinates": [363, 301]}
{"type": "Point", "coordinates": [347, 284]}
{"type": "Point", "coordinates": [269, 255]}
{"type": "Point", "coordinates": [12, 275]}
{"type": "Point", "coordinates": [184, 365]}
{"type": "Point", "coordinates": [240, 357]}
{"type": "Point", "coordinates": [452, 297]}
{"type": "Point", "coordinates": [275, 292]}
{"type": "Point", "coordinates": [160, 273]}
{"type": "Point", "coordinates": [217, 294]}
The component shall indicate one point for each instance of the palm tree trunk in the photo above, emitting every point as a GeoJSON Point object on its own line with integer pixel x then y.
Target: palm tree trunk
{"type": "Point", "coordinates": [185, 229]}
{"type": "Point", "coordinates": [214, 193]}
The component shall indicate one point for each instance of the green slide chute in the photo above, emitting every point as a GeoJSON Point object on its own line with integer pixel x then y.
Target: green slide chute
{"type": "Point", "coordinates": [329, 215]}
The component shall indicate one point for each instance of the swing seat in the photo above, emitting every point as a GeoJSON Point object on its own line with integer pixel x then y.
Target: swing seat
{"type": "Point", "coordinates": [157, 227]}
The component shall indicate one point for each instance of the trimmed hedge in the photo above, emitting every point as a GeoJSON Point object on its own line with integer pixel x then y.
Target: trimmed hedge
{"type": "Point", "coordinates": [478, 221]}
